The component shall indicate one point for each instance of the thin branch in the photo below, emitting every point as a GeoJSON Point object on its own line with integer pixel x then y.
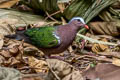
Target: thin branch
{"type": "Point", "coordinates": [95, 41]}
{"type": "Point", "coordinates": [50, 16]}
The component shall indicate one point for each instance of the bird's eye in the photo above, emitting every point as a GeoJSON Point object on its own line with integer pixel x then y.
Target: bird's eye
{"type": "Point", "coordinates": [78, 20]}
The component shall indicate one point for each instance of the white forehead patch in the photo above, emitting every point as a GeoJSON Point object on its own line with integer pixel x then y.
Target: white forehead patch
{"type": "Point", "coordinates": [78, 18]}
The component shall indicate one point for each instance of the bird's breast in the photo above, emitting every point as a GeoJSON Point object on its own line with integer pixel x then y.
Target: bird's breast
{"type": "Point", "coordinates": [66, 36]}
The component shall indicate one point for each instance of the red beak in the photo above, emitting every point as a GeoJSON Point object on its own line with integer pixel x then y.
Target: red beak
{"type": "Point", "coordinates": [86, 26]}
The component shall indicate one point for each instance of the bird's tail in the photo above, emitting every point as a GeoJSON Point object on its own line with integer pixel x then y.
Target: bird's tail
{"type": "Point", "coordinates": [19, 36]}
{"type": "Point", "coordinates": [13, 36]}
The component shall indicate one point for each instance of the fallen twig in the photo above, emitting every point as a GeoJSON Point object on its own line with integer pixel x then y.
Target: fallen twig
{"type": "Point", "coordinates": [114, 54]}
{"type": "Point", "coordinates": [50, 16]}
{"type": "Point", "coordinates": [97, 58]}
{"type": "Point", "coordinates": [96, 41]}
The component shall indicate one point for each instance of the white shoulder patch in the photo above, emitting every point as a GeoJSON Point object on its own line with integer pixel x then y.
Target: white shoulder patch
{"type": "Point", "coordinates": [57, 37]}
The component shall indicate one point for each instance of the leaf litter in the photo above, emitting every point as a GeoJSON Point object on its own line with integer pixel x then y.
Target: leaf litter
{"type": "Point", "coordinates": [97, 60]}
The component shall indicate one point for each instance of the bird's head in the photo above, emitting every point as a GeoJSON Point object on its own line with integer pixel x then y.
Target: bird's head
{"type": "Point", "coordinates": [78, 21]}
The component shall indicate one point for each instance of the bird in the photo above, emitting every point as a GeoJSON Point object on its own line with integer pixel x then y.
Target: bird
{"type": "Point", "coordinates": [52, 39]}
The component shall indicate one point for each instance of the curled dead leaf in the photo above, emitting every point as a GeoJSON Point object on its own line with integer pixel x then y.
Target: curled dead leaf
{"type": "Point", "coordinates": [100, 47]}
{"type": "Point", "coordinates": [38, 65]}
{"type": "Point", "coordinates": [11, 61]}
{"type": "Point", "coordinates": [62, 70]}
{"type": "Point", "coordinates": [13, 50]}
{"type": "Point", "coordinates": [5, 54]}
{"type": "Point", "coordinates": [75, 75]}
{"type": "Point", "coordinates": [31, 50]}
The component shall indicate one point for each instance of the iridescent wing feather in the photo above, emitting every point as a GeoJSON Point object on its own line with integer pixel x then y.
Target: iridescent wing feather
{"type": "Point", "coordinates": [44, 37]}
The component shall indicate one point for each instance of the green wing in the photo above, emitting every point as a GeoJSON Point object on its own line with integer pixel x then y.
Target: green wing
{"type": "Point", "coordinates": [44, 37]}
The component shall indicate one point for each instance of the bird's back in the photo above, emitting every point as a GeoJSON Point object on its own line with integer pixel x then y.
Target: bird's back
{"type": "Point", "coordinates": [43, 37]}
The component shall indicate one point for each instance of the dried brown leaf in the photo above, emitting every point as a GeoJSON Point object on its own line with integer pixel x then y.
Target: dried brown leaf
{"type": "Point", "coordinates": [32, 50]}
{"type": "Point", "coordinates": [38, 65]}
{"type": "Point", "coordinates": [11, 61]}
{"type": "Point", "coordinates": [75, 75]}
{"type": "Point", "coordinates": [106, 28]}
{"type": "Point", "coordinates": [8, 3]}
{"type": "Point", "coordinates": [2, 59]}
{"type": "Point", "coordinates": [116, 61]}
{"type": "Point", "coordinates": [5, 54]}
{"type": "Point", "coordinates": [100, 47]}
{"type": "Point", "coordinates": [13, 50]}
{"type": "Point", "coordinates": [62, 70]}
{"type": "Point", "coordinates": [6, 29]}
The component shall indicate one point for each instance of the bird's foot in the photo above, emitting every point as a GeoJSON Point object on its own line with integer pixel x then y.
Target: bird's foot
{"type": "Point", "coordinates": [83, 44]}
